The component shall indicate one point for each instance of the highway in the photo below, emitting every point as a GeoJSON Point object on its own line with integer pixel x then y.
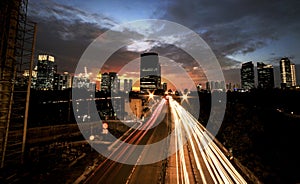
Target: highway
{"type": "Point", "coordinates": [198, 159]}
{"type": "Point", "coordinates": [111, 171]}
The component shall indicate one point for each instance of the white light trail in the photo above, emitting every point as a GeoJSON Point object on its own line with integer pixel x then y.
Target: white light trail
{"type": "Point", "coordinates": [203, 148]}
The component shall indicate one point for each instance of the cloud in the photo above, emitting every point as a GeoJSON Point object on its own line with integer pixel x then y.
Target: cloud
{"type": "Point", "coordinates": [142, 45]}
{"type": "Point", "coordinates": [230, 27]}
{"type": "Point", "coordinates": [47, 9]}
{"type": "Point", "coordinates": [65, 31]}
{"type": "Point", "coordinates": [236, 27]}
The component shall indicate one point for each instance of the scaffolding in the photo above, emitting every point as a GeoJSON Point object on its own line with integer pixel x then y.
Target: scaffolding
{"type": "Point", "coordinates": [16, 56]}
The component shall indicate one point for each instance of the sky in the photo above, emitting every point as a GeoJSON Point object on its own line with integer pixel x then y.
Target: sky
{"type": "Point", "coordinates": [237, 31]}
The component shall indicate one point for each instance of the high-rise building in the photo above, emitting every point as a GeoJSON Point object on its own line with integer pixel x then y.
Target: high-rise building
{"type": "Point", "coordinates": [62, 81]}
{"type": "Point", "coordinates": [110, 82]}
{"type": "Point", "coordinates": [287, 73]}
{"type": "Point", "coordinates": [247, 76]}
{"type": "Point", "coordinates": [46, 69]}
{"type": "Point", "coordinates": [98, 81]}
{"type": "Point", "coordinates": [165, 86]}
{"type": "Point", "coordinates": [212, 85]}
{"type": "Point", "coordinates": [293, 74]}
{"type": "Point", "coordinates": [114, 82]}
{"type": "Point", "coordinates": [150, 72]}
{"type": "Point", "coordinates": [207, 86]}
{"type": "Point", "coordinates": [105, 82]}
{"type": "Point", "coordinates": [127, 85]}
{"type": "Point", "coordinates": [265, 76]}
{"type": "Point", "coordinates": [223, 86]}
{"type": "Point", "coordinates": [130, 82]}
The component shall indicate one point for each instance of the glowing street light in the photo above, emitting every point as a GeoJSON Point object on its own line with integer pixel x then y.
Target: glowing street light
{"type": "Point", "coordinates": [151, 95]}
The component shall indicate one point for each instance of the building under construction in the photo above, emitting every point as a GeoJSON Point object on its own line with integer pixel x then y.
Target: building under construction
{"type": "Point", "coordinates": [16, 56]}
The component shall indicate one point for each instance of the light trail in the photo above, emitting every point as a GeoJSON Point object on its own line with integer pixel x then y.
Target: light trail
{"type": "Point", "coordinates": [123, 149]}
{"type": "Point", "coordinates": [211, 163]}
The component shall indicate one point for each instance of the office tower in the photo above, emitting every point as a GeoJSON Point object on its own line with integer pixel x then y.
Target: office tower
{"type": "Point", "coordinates": [105, 82]}
{"type": "Point", "coordinates": [66, 80]}
{"type": "Point", "coordinates": [98, 81]}
{"type": "Point", "coordinates": [16, 55]}
{"type": "Point", "coordinates": [114, 82]}
{"type": "Point", "coordinates": [82, 80]}
{"type": "Point", "coordinates": [293, 74]}
{"type": "Point", "coordinates": [46, 69]}
{"type": "Point", "coordinates": [130, 84]}
{"type": "Point", "coordinates": [208, 86]}
{"type": "Point", "coordinates": [57, 82]}
{"type": "Point", "coordinates": [118, 110]}
{"type": "Point", "coordinates": [127, 85]}
{"type": "Point", "coordinates": [118, 84]}
{"type": "Point", "coordinates": [165, 86]}
{"type": "Point", "coordinates": [212, 85]}
{"type": "Point", "coordinates": [150, 72]}
{"type": "Point", "coordinates": [223, 86]}
{"type": "Point", "coordinates": [247, 76]}
{"type": "Point", "coordinates": [62, 81]}
{"type": "Point", "coordinates": [287, 73]}
{"type": "Point", "coordinates": [265, 76]}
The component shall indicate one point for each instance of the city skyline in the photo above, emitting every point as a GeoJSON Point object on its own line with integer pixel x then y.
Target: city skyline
{"type": "Point", "coordinates": [232, 41]}
{"type": "Point", "coordinates": [146, 101]}
{"type": "Point", "coordinates": [259, 76]}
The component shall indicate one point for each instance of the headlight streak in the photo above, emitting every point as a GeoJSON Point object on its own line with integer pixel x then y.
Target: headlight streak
{"type": "Point", "coordinates": [180, 159]}
{"type": "Point", "coordinates": [120, 150]}
{"type": "Point", "coordinates": [219, 167]}
{"type": "Point", "coordinates": [139, 135]}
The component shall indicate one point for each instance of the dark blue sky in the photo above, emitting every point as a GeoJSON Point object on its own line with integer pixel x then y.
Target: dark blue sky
{"type": "Point", "coordinates": [237, 31]}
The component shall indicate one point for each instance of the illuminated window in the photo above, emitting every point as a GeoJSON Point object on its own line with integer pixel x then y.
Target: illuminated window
{"type": "Point", "coordinates": [42, 57]}
{"type": "Point", "coordinates": [51, 58]}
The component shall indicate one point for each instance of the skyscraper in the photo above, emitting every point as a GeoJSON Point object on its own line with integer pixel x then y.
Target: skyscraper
{"type": "Point", "coordinates": [247, 76]}
{"type": "Point", "coordinates": [293, 74]}
{"type": "Point", "coordinates": [165, 86]}
{"type": "Point", "coordinates": [114, 82]}
{"type": "Point", "coordinates": [62, 81]}
{"type": "Point", "coordinates": [98, 81]}
{"type": "Point", "coordinates": [208, 86]}
{"type": "Point", "coordinates": [46, 70]}
{"type": "Point", "coordinates": [287, 73]}
{"type": "Point", "coordinates": [130, 82]}
{"type": "Point", "coordinates": [127, 85]}
{"type": "Point", "coordinates": [150, 72]}
{"type": "Point", "coordinates": [110, 82]}
{"type": "Point", "coordinates": [105, 82]}
{"type": "Point", "coordinates": [265, 75]}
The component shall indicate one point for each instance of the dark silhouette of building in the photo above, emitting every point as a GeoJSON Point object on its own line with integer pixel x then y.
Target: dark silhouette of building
{"type": "Point", "coordinates": [247, 76]}
{"type": "Point", "coordinates": [150, 72]}
{"type": "Point", "coordinates": [265, 75]}
{"type": "Point", "coordinates": [165, 86]}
